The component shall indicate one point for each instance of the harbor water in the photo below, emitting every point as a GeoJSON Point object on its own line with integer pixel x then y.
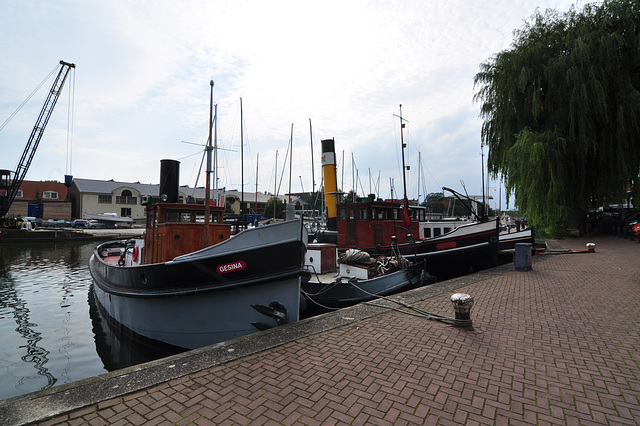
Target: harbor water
{"type": "Point", "coordinates": [50, 331]}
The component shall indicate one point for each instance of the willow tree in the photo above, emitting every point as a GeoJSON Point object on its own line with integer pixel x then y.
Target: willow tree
{"type": "Point", "coordinates": [561, 111]}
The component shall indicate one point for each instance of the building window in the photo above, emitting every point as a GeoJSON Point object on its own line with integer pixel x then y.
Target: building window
{"type": "Point", "coordinates": [126, 200]}
{"type": "Point", "coordinates": [19, 194]}
{"type": "Point", "coordinates": [363, 214]}
{"type": "Point", "coordinates": [126, 197]}
{"type": "Point", "coordinates": [50, 195]}
{"type": "Point", "coordinates": [125, 212]}
{"type": "Point", "coordinates": [104, 199]}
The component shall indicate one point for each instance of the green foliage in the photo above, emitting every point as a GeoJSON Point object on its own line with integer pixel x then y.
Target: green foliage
{"type": "Point", "coordinates": [437, 207]}
{"type": "Point", "coordinates": [435, 196]}
{"type": "Point", "coordinates": [349, 197]}
{"type": "Point", "coordinates": [227, 208]}
{"type": "Point", "coordinates": [268, 210]}
{"type": "Point", "coordinates": [561, 111]}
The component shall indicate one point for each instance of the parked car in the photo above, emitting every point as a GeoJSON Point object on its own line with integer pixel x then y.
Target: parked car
{"type": "Point", "coordinates": [95, 224]}
{"type": "Point", "coordinates": [80, 223]}
{"type": "Point", "coordinates": [35, 222]}
{"type": "Point", "coordinates": [631, 222]}
{"type": "Point", "coordinates": [635, 229]}
{"type": "Point", "coordinates": [55, 223]}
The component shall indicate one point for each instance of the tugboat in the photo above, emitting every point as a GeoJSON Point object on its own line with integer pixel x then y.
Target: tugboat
{"type": "Point", "coordinates": [173, 287]}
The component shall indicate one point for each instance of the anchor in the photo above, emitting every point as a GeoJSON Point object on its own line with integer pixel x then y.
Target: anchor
{"type": "Point", "coordinates": [275, 310]}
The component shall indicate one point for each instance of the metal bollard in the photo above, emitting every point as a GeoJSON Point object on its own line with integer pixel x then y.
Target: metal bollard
{"type": "Point", "coordinates": [523, 256]}
{"type": "Point", "coordinates": [462, 304]}
{"type": "Point", "coordinates": [591, 246]}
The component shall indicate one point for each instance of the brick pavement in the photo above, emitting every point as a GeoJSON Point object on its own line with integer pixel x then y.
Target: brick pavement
{"type": "Point", "coordinates": [555, 345]}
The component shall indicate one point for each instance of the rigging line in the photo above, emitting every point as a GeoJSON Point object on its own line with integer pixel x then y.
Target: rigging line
{"type": "Point", "coordinates": [190, 155]}
{"type": "Point", "coordinates": [204, 153]}
{"type": "Point", "coordinates": [28, 98]}
{"type": "Point", "coordinates": [284, 166]}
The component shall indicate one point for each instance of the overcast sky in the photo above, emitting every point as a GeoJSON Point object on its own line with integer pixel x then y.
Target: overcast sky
{"type": "Point", "coordinates": [141, 87]}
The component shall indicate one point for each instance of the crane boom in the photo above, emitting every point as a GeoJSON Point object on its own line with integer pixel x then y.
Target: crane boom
{"type": "Point", "coordinates": [12, 185]}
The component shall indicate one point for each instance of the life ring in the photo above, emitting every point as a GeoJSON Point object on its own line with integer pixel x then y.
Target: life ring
{"type": "Point", "coordinates": [134, 255]}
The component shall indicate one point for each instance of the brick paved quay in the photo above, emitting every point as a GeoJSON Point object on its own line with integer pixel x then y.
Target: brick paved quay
{"type": "Point", "coordinates": [555, 345]}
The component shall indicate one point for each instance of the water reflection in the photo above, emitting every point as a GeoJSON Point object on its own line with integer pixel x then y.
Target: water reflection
{"type": "Point", "coordinates": [12, 304]}
{"type": "Point", "coordinates": [118, 348]}
{"type": "Point", "coordinates": [49, 332]}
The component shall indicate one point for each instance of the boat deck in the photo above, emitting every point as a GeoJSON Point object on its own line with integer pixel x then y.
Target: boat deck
{"type": "Point", "coordinates": [111, 255]}
{"type": "Point", "coordinates": [326, 278]}
{"type": "Point", "coordinates": [111, 260]}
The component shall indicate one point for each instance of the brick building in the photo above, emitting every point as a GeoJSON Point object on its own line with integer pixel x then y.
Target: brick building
{"type": "Point", "coordinates": [42, 199]}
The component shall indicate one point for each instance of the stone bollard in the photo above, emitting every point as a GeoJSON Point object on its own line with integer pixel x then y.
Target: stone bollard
{"type": "Point", "coordinates": [523, 257]}
{"type": "Point", "coordinates": [462, 304]}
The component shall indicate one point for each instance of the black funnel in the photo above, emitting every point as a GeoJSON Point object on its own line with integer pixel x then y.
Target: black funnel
{"type": "Point", "coordinates": [169, 181]}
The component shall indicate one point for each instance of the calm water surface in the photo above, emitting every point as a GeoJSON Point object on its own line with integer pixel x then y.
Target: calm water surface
{"type": "Point", "coordinates": [50, 333]}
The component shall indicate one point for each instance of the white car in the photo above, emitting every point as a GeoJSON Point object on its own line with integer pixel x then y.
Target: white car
{"type": "Point", "coordinates": [93, 223]}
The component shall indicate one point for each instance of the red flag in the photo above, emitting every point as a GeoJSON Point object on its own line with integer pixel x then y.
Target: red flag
{"type": "Point", "coordinates": [407, 219]}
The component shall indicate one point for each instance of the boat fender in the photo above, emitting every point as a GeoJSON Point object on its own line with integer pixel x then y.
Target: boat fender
{"type": "Point", "coordinates": [134, 255]}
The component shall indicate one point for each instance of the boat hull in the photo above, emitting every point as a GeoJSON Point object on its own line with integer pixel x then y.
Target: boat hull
{"type": "Point", "coordinates": [463, 250]}
{"type": "Point", "coordinates": [196, 320]}
{"type": "Point", "coordinates": [508, 241]}
{"type": "Point", "coordinates": [209, 296]}
{"type": "Point", "coordinates": [346, 292]}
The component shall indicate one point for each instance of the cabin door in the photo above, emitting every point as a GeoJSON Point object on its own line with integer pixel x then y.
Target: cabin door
{"type": "Point", "coordinates": [378, 236]}
{"type": "Point", "coordinates": [352, 233]}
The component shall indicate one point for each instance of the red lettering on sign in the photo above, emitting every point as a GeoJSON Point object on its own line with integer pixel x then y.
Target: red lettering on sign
{"type": "Point", "coordinates": [448, 245]}
{"type": "Point", "coordinates": [231, 267]}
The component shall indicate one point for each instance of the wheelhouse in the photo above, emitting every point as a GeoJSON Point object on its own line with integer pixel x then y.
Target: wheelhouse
{"type": "Point", "coordinates": [373, 223]}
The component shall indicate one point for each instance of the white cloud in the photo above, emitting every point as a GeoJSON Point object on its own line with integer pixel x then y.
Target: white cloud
{"type": "Point", "coordinates": [143, 71]}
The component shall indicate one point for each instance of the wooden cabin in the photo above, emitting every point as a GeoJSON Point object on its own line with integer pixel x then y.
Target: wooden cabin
{"type": "Point", "coordinates": [373, 223]}
{"type": "Point", "coordinates": [174, 229]}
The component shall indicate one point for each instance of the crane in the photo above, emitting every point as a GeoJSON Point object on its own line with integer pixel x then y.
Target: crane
{"type": "Point", "coordinates": [11, 186]}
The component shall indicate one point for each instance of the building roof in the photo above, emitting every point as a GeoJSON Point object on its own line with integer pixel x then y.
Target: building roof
{"type": "Point", "coordinates": [107, 187]}
{"type": "Point", "coordinates": [29, 189]}
{"type": "Point", "coordinates": [94, 186]}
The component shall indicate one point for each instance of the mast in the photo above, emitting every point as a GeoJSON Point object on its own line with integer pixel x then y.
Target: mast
{"type": "Point", "coordinates": [342, 177]}
{"type": "Point", "coordinates": [241, 163]}
{"type": "Point", "coordinates": [419, 168]}
{"type": "Point", "coordinates": [255, 217]}
{"type": "Point", "coordinates": [407, 218]}
{"type": "Point", "coordinates": [215, 154]}
{"type": "Point", "coordinates": [404, 167]}
{"type": "Point", "coordinates": [207, 196]}
{"type": "Point", "coordinates": [353, 178]}
{"type": "Point", "coordinates": [313, 178]}
{"type": "Point", "coordinates": [290, 160]}
{"type": "Point", "coordinates": [275, 183]}
{"type": "Point", "coordinates": [483, 195]}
